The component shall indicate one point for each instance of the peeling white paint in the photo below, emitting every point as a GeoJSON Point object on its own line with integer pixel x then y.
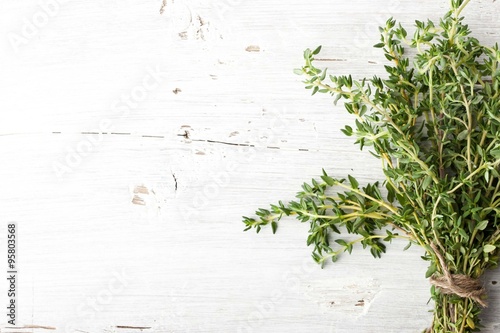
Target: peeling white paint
{"type": "Point", "coordinates": [228, 128]}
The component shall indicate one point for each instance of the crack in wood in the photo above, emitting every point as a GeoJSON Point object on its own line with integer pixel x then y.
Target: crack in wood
{"type": "Point", "coordinates": [133, 327]}
{"type": "Point", "coordinates": [186, 135]}
{"type": "Point", "coordinates": [330, 59]}
{"type": "Point", "coordinates": [175, 180]}
{"type": "Point", "coordinates": [225, 143]}
{"type": "Point", "coordinates": [32, 326]}
{"type": "Point", "coordinates": [240, 144]}
{"type": "Point", "coordinates": [154, 136]}
{"type": "Point", "coordinates": [119, 133]}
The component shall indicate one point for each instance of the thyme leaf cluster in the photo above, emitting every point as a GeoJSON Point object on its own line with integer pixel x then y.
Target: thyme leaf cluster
{"type": "Point", "coordinates": [434, 123]}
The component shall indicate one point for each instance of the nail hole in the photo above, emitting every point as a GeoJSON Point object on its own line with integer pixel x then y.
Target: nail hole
{"type": "Point", "coordinates": [494, 282]}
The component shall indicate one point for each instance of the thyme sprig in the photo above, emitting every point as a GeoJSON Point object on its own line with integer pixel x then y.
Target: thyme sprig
{"type": "Point", "coordinates": [434, 123]}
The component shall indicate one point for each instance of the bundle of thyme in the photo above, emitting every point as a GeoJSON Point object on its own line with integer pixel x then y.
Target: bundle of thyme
{"type": "Point", "coordinates": [434, 123]}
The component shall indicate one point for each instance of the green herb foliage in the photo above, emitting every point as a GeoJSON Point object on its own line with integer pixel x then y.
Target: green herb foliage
{"type": "Point", "coordinates": [434, 123]}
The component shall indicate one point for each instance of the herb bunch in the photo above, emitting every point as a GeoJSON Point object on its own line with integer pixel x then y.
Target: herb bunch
{"type": "Point", "coordinates": [434, 123]}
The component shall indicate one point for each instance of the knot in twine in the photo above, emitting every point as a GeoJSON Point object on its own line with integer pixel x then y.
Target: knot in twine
{"type": "Point", "coordinates": [458, 284]}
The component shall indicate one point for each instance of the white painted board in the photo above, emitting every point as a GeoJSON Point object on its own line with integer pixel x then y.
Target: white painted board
{"type": "Point", "coordinates": [139, 229]}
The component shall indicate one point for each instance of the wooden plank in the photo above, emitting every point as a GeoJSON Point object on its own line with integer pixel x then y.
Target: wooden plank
{"type": "Point", "coordinates": [133, 142]}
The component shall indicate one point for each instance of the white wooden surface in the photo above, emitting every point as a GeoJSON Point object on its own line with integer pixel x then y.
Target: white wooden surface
{"type": "Point", "coordinates": [139, 228]}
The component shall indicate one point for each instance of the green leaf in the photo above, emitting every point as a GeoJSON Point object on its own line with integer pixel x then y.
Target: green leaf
{"type": "Point", "coordinates": [431, 270]}
{"type": "Point", "coordinates": [489, 248]}
{"type": "Point", "coordinates": [482, 225]}
{"type": "Point", "coordinates": [495, 152]}
{"type": "Point", "coordinates": [317, 50]}
{"type": "Point", "coordinates": [463, 234]}
{"type": "Point", "coordinates": [274, 227]}
{"type": "Point", "coordinates": [298, 71]}
{"type": "Point", "coordinates": [341, 242]}
{"type": "Point", "coordinates": [462, 135]}
{"type": "Point", "coordinates": [353, 181]}
{"type": "Point", "coordinates": [470, 323]}
{"type": "Point", "coordinates": [427, 181]}
{"type": "Point", "coordinates": [347, 130]}
{"type": "Point", "coordinates": [327, 179]}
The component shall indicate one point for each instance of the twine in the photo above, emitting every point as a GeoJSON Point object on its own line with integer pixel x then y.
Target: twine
{"type": "Point", "coordinates": [458, 284]}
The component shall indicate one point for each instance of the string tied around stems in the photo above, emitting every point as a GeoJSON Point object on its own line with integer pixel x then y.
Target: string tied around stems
{"type": "Point", "coordinates": [458, 284]}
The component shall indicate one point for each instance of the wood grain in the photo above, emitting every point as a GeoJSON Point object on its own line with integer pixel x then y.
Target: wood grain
{"type": "Point", "coordinates": [133, 142]}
